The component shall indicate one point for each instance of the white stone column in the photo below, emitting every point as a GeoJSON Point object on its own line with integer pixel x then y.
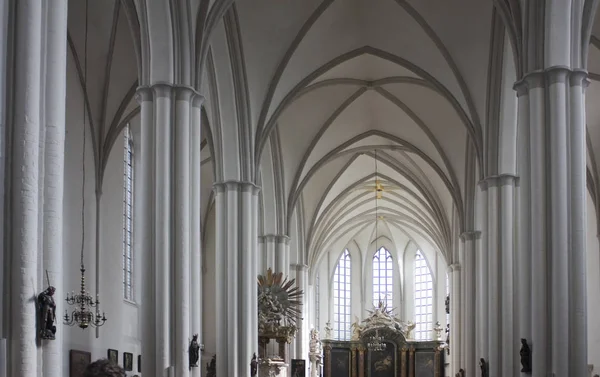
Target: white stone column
{"type": "Point", "coordinates": [577, 214]}
{"type": "Point", "coordinates": [523, 266]}
{"type": "Point", "coordinates": [481, 292]}
{"type": "Point", "coordinates": [25, 209]}
{"type": "Point", "coordinates": [469, 330]}
{"type": "Point", "coordinates": [275, 253]}
{"type": "Point", "coordinates": [455, 317]}
{"type": "Point", "coordinates": [196, 240]}
{"type": "Point", "coordinates": [555, 192]}
{"type": "Point", "coordinates": [163, 225]}
{"type": "Point", "coordinates": [55, 108]}
{"type": "Point", "coordinates": [302, 337]}
{"type": "Point", "coordinates": [236, 249]}
{"type": "Point", "coordinates": [181, 314]}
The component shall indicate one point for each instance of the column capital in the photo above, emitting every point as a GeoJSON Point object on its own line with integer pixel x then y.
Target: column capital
{"type": "Point", "coordinates": [300, 266]}
{"type": "Point", "coordinates": [454, 267]}
{"type": "Point", "coordinates": [166, 89]}
{"type": "Point", "coordinates": [556, 74]}
{"type": "Point", "coordinates": [232, 185]}
{"type": "Point", "coordinates": [278, 238]}
{"type": "Point", "coordinates": [470, 235]}
{"type": "Point", "coordinates": [498, 180]}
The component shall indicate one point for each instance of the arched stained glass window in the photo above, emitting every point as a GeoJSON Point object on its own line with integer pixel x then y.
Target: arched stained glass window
{"type": "Point", "coordinates": [423, 298]}
{"type": "Point", "coordinates": [127, 214]}
{"type": "Point", "coordinates": [342, 297]}
{"type": "Point", "coordinates": [382, 277]}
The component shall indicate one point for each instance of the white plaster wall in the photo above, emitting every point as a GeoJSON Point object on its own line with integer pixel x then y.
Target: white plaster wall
{"type": "Point", "coordinates": [121, 331]}
{"type": "Point", "coordinates": [593, 286]}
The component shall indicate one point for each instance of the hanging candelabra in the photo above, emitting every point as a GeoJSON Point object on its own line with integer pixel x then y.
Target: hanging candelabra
{"type": "Point", "coordinates": [376, 343]}
{"type": "Point", "coordinates": [84, 314]}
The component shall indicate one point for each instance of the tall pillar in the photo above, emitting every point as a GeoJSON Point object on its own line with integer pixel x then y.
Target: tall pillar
{"type": "Point", "coordinates": [25, 189]}
{"type": "Point", "coordinates": [196, 240]}
{"type": "Point", "coordinates": [275, 253]}
{"type": "Point", "coordinates": [481, 293]}
{"type": "Point", "coordinates": [555, 184]}
{"type": "Point", "coordinates": [236, 249]}
{"type": "Point", "coordinates": [523, 264]}
{"type": "Point", "coordinates": [162, 224]}
{"type": "Point", "coordinates": [55, 108]}
{"type": "Point", "coordinates": [302, 335]}
{"type": "Point", "coordinates": [469, 330]}
{"type": "Point", "coordinates": [455, 317]}
{"type": "Point", "coordinates": [500, 273]}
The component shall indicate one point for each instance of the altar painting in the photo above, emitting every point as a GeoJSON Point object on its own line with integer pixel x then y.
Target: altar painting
{"type": "Point", "coordinates": [383, 363]}
{"type": "Point", "coordinates": [424, 364]}
{"type": "Point", "coordinates": [340, 362]}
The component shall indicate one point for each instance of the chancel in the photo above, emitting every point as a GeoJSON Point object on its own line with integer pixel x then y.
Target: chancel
{"type": "Point", "coordinates": [292, 188]}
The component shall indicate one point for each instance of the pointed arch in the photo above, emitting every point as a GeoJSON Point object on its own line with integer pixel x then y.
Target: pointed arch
{"type": "Point", "coordinates": [342, 296]}
{"type": "Point", "coordinates": [383, 274]}
{"type": "Point", "coordinates": [423, 298]}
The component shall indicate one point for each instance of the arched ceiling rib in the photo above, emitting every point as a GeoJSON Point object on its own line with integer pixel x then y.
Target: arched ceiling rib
{"type": "Point", "coordinates": [345, 80]}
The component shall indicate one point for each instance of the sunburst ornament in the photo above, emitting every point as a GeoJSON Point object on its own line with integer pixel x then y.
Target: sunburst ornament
{"type": "Point", "coordinates": [278, 300]}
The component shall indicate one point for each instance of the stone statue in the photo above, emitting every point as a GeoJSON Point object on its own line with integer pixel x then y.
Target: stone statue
{"type": "Point", "coordinates": [47, 310]}
{"type": "Point", "coordinates": [461, 373]}
{"type": "Point", "coordinates": [314, 346]}
{"type": "Point", "coordinates": [194, 352]}
{"type": "Point", "coordinates": [525, 356]}
{"type": "Point", "coordinates": [253, 366]}
{"type": "Point", "coordinates": [437, 329]}
{"type": "Point", "coordinates": [356, 329]}
{"type": "Point", "coordinates": [328, 330]}
{"type": "Point", "coordinates": [448, 338]}
{"type": "Point", "coordinates": [447, 302]}
{"type": "Point", "coordinates": [484, 367]}
{"type": "Point", "coordinates": [211, 368]}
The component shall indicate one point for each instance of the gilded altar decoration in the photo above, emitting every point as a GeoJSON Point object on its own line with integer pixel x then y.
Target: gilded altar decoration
{"type": "Point", "coordinates": [381, 318]}
{"type": "Point", "coordinates": [279, 303]}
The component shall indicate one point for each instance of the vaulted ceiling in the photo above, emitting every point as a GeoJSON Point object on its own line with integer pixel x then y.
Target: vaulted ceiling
{"type": "Point", "coordinates": [342, 94]}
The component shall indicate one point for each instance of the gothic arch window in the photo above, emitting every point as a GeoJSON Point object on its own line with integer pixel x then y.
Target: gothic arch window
{"type": "Point", "coordinates": [423, 298]}
{"type": "Point", "coordinates": [127, 214]}
{"type": "Point", "coordinates": [342, 297]}
{"type": "Point", "coordinates": [382, 277]}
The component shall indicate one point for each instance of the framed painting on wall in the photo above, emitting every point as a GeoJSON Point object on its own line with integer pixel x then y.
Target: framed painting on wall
{"type": "Point", "coordinates": [298, 368]}
{"type": "Point", "coordinates": [78, 361]}
{"type": "Point", "coordinates": [340, 362]}
{"type": "Point", "coordinates": [113, 356]}
{"type": "Point", "coordinates": [127, 361]}
{"type": "Point", "coordinates": [383, 363]}
{"type": "Point", "coordinates": [424, 364]}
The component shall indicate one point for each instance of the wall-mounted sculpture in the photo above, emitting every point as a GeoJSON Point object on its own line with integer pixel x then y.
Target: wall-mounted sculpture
{"type": "Point", "coordinates": [484, 367]}
{"type": "Point", "coordinates": [211, 367]}
{"type": "Point", "coordinates": [194, 352]}
{"type": "Point", "coordinates": [47, 313]}
{"type": "Point", "coordinates": [525, 356]}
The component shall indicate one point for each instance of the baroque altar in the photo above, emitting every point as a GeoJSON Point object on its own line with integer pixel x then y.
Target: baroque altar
{"type": "Point", "coordinates": [398, 355]}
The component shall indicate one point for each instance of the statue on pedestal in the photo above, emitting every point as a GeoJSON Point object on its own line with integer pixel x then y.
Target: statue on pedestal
{"type": "Point", "coordinates": [328, 330]}
{"type": "Point", "coordinates": [525, 356]}
{"type": "Point", "coordinates": [47, 312]}
{"type": "Point", "coordinates": [438, 330]}
{"type": "Point", "coordinates": [194, 352]}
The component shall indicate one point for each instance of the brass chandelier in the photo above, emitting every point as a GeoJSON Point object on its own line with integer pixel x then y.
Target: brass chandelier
{"type": "Point", "coordinates": [375, 342]}
{"type": "Point", "coordinates": [83, 315]}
